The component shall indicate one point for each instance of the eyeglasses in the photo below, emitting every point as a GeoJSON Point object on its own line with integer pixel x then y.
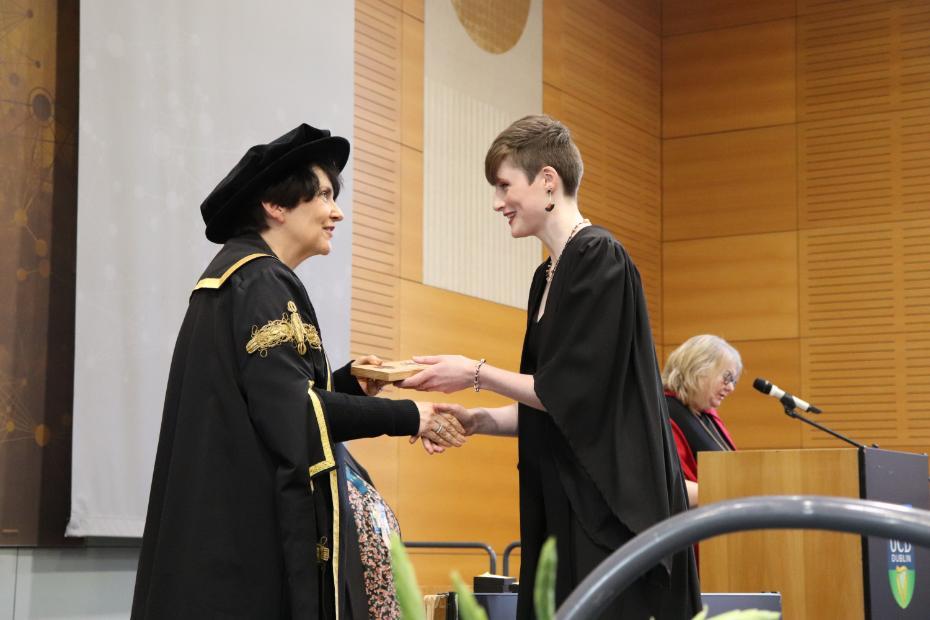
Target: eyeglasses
{"type": "Point", "coordinates": [729, 377]}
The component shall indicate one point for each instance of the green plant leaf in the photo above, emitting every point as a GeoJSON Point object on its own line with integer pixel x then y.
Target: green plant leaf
{"type": "Point", "coordinates": [544, 588]}
{"type": "Point", "coordinates": [409, 597]}
{"type": "Point", "coordinates": [468, 606]}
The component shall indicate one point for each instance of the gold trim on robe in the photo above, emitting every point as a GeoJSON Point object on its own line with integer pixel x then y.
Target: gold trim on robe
{"type": "Point", "coordinates": [218, 282]}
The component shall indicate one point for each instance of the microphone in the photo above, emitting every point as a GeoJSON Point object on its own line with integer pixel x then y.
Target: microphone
{"type": "Point", "coordinates": [784, 397]}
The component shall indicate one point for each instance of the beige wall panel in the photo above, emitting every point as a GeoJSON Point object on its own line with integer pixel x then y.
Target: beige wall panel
{"type": "Point", "coordinates": [864, 169]}
{"type": "Point", "coordinates": [756, 422]}
{"type": "Point", "coordinates": [802, 565]}
{"type": "Point", "coordinates": [864, 59]}
{"type": "Point", "coordinates": [735, 78]}
{"type": "Point", "coordinates": [733, 183]}
{"type": "Point", "coordinates": [740, 288]}
{"type": "Point", "coordinates": [683, 16]}
{"type": "Point", "coordinates": [620, 188]}
{"type": "Point", "coordinates": [604, 58]}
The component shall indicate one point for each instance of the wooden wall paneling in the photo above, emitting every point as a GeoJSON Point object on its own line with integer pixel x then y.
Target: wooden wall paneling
{"type": "Point", "coordinates": [411, 214]}
{"type": "Point", "coordinates": [377, 176]}
{"type": "Point", "coordinates": [811, 7]}
{"type": "Point", "coordinates": [684, 16]}
{"type": "Point", "coordinates": [802, 565]}
{"type": "Point", "coordinates": [471, 493]}
{"type": "Point", "coordinates": [732, 183]}
{"type": "Point", "coordinates": [378, 39]}
{"type": "Point", "coordinates": [740, 288]}
{"type": "Point", "coordinates": [646, 13]}
{"type": "Point", "coordinates": [865, 278]}
{"type": "Point", "coordinates": [412, 82]}
{"type": "Point", "coordinates": [757, 422]}
{"type": "Point", "coordinates": [736, 78]}
{"type": "Point", "coordinates": [859, 382]}
{"type": "Point", "coordinates": [864, 58]}
{"type": "Point", "coordinates": [605, 59]}
{"type": "Point", "coordinates": [413, 8]}
{"type": "Point", "coordinates": [620, 187]}
{"type": "Point", "coordinates": [848, 281]}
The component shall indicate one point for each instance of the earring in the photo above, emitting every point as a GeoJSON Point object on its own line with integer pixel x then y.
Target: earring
{"type": "Point", "coordinates": [551, 201]}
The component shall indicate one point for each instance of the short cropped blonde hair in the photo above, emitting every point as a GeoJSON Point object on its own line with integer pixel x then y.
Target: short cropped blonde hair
{"type": "Point", "coordinates": [532, 143]}
{"type": "Point", "coordinates": [694, 360]}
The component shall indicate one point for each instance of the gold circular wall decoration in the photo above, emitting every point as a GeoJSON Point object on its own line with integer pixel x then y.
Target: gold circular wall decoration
{"type": "Point", "coordinates": [495, 25]}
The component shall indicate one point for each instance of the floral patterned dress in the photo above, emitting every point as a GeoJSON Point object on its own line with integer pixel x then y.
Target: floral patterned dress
{"type": "Point", "coordinates": [375, 522]}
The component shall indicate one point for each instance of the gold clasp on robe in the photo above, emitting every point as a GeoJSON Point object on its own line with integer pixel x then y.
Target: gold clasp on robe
{"type": "Point", "coordinates": [322, 551]}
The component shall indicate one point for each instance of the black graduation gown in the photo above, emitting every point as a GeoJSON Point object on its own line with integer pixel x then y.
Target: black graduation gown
{"type": "Point", "coordinates": [600, 465]}
{"type": "Point", "coordinates": [243, 509]}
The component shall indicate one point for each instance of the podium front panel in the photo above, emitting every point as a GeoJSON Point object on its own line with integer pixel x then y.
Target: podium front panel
{"type": "Point", "coordinates": [819, 574]}
{"type": "Point", "coordinates": [897, 574]}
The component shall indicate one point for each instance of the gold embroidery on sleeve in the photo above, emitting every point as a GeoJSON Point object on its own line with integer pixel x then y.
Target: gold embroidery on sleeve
{"type": "Point", "coordinates": [286, 329]}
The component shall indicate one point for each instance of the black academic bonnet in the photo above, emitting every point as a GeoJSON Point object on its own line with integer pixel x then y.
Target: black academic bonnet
{"type": "Point", "coordinates": [263, 165]}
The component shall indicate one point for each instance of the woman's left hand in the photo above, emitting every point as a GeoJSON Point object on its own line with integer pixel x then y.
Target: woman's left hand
{"type": "Point", "coordinates": [372, 387]}
{"type": "Point", "coordinates": [444, 373]}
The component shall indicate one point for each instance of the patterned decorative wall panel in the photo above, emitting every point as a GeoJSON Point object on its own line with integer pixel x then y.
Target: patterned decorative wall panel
{"type": "Point", "coordinates": [38, 206]}
{"type": "Point", "coordinates": [872, 58]}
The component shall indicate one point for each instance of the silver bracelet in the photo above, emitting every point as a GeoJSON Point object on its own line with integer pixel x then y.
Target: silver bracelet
{"type": "Point", "coordinates": [477, 370]}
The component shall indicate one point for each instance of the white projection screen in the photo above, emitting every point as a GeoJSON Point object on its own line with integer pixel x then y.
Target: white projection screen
{"type": "Point", "coordinates": [172, 93]}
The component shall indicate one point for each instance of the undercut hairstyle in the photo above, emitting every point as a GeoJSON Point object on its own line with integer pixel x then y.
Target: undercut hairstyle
{"type": "Point", "coordinates": [694, 360]}
{"type": "Point", "coordinates": [298, 186]}
{"type": "Point", "coordinates": [532, 143]}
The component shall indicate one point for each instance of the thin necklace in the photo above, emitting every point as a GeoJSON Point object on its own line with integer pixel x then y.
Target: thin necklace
{"type": "Point", "coordinates": [553, 264]}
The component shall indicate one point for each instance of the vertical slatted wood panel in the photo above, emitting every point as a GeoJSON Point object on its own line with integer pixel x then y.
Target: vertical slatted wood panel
{"type": "Point", "coordinates": [376, 157]}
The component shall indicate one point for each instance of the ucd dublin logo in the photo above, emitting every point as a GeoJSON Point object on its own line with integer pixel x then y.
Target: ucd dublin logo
{"type": "Point", "coordinates": [901, 571]}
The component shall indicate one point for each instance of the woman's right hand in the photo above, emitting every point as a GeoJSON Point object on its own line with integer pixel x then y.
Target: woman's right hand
{"type": "Point", "coordinates": [438, 428]}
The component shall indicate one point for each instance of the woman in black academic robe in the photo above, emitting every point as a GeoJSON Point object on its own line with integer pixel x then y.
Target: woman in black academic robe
{"type": "Point", "coordinates": [597, 462]}
{"type": "Point", "coordinates": [244, 518]}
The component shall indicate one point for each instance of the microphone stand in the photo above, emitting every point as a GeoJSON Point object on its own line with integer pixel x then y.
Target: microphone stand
{"type": "Point", "coordinates": [791, 413]}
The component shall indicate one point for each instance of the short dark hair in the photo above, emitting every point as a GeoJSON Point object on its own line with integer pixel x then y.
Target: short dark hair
{"type": "Point", "coordinates": [532, 143]}
{"type": "Point", "coordinates": [300, 185]}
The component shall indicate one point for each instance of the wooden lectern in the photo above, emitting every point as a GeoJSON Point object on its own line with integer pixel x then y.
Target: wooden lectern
{"type": "Point", "coordinates": [819, 574]}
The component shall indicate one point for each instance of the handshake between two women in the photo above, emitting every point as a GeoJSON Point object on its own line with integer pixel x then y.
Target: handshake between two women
{"type": "Point", "coordinates": [444, 425]}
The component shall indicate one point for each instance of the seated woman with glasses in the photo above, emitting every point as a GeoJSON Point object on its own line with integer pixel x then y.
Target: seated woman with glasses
{"type": "Point", "coordinates": [698, 376]}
